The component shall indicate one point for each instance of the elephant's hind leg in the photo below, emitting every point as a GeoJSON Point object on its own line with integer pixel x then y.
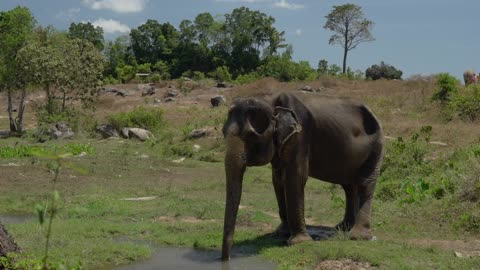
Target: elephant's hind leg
{"type": "Point", "coordinates": [351, 208]}
{"type": "Point", "coordinates": [362, 229]}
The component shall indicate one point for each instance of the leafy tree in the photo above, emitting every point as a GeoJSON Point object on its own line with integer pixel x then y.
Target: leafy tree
{"type": "Point", "coordinates": [283, 68]}
{"type": "Point", "coordinates": [153, 41]}
{"type": "Point", "coordinates": [334, 70]}
{"type": "Point", "coordinates": [16, 26]}
{"type": "Point", "coordinates": [86, 31]}
{"type": "Point", "coordinates": [71, 68]}
{"type": "Point", "coordinates": [383, 71]}
{"type": "Point", "coordinates": [350, 28]}
{"type": "Point", "coordinates": [322, 67]}
{"type": "Point", "coordinates": [118, 53]}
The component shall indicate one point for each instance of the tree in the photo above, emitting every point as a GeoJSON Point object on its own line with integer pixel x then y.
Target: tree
{"type": "Point", "coordinates": [118, 53]}
{"type": "Point", "coordinates": [383, 71]}
{"type": "Point", "coordinates": [322, 67]}
{"type": "Point", "coordinates": [153, 41]}
{"type": "Point", "coordinates": [350, 28]}
{"type": "Point", "coordinates": [86, 31]}
{"type": "Point", "coordinates": [69, 67]}
{"type": "Point", "coordinates": [16, 26]}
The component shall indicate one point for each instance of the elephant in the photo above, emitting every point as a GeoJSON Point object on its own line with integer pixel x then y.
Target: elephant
{"type": "Point", "coordinates": [335, 139]}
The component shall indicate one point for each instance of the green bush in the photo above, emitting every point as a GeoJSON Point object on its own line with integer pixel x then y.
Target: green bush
{"type": "Point", "coordinates": [221, 74]}
{"type": "Point", "coordinates": [23, 151]}
{"type": "Point", "coordinates": [466, 104]}
{"type": "Point", "coordinates": [140, 117]}
{"type": "Point", "coordinates": [383, 71]}
{"type": "Point", "coordinates": [247, 78]}
{"type": "Point", "coordinates": [125, 73]}
{"type": "Point", "coordinates": [446, 87]}
{"type": "Point", "coordinates": [198, 76]}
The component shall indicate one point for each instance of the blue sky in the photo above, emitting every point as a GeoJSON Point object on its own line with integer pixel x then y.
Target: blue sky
{"type": "Point", "coordinates": [416, 36]}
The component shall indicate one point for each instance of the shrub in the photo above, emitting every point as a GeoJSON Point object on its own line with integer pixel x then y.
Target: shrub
{"type": "Point", "coordinates": [198, 76]}
{"type": "Point", "coordinates": [466, 104]}
{"type": "Point", "coordinates": [221, 74]}
{"type": "Point", "coordinates": [140, 117]}
{"type": "Point", "coordinates": [383, 71]}
{"type": "Point", "coordinates": [125, 73]}
{"type": "Point", "coordinates": [247, 78]}
{"type": "Point", "coordinates": [446, 87]}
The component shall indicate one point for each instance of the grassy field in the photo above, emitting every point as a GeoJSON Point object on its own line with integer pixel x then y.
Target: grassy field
{"type": "Point", "coordinates": [423, 213]}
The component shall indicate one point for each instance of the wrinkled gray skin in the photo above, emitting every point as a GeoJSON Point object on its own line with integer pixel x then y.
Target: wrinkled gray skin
{"type": "Point", "coordinates": [337, 140]}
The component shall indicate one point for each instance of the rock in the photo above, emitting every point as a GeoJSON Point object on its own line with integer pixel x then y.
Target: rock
{"type": "Point", "coordinates": [221, 85]}
{"type": "Point", "coordinates": [61, 130]}
{"type": "Point", "coordinates": [140, 134]}
{"type": "Point", "coordinates": [199, 133]}
{"type": "Point", "coordinates": [196, 148]}
{"type": "Point", "coordinates": [467, 254]}
{"type": "Point", "coordinates": [157, 100]}
{"type": "Point", "coordinates": [307, 88]}
{"type": "Point", "coordinates": [7, 245]}
{"type": "Point", "coordinates": [124, 132]}
{"type": "Point", "coordinates": [122, 93]}
{"type": "Point", "coordinates": [172, 92]}
{"type": "Point", "coordinates": [148, 91]}
{"type": "Point", "coordinates": [217, 100]}
{"type": "Point", "coordinates": [180, 160]}
{"type": "Point", "coordinates": [186, 79]}
{"type": "Point", "coordinates": [169, 99]}
{"type": "Point", "coordinates": [106, 130]}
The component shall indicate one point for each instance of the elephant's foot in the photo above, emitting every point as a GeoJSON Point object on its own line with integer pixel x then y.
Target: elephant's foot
{"type": "Point", "coordinates": [282, 231]}
{"type": "Point", "coordinates": [299, 238]}
{"type": "Point", "coordinates": [361, 233]}
{"type": "Point", "coordinates": [344, 226]}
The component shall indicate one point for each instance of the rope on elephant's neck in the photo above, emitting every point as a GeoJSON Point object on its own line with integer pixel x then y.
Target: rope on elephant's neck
{"type": "Point", "coordinates": [288, 110]}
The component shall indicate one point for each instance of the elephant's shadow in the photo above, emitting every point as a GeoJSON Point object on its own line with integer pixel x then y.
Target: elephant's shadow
{"type": "Point", "coordinates": [269, 240]}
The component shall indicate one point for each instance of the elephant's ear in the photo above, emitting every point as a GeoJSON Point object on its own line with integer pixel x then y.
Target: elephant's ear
{"type": "Point", "coordinates": [286, 127]}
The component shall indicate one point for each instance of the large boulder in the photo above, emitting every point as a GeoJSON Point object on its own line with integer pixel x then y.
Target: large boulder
{"type": "Point", "coordinates": [148, 91]}
{"type": "Point", "coordinates": [139, 134]}
{"type": "Point", "coordinates": [61, 130]}
{"type": "Point", "coordinates": [218, 100]}
{"type": "Point", "coordinates": [106, 130]}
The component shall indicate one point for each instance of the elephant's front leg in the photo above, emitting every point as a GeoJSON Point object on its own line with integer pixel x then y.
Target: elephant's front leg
{"type": "Point", "coordinates": [294, 183]}
{"type": "Point", "coordinates": [282, 230]}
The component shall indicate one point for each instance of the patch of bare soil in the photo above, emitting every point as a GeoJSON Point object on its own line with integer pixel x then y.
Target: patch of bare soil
{"type": "Point", "coordinates": [344, 264]}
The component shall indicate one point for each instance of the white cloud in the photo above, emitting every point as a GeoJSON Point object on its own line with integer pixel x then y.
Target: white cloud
{"type": "Point", "coordinates": [287, 5]}
{"type": "Point", "coordinates": [246, 1]}
{"type": "Point", "coordinates": [69, 15]}
{"type": "Point", "coordinates": [111, 26]}
{"type": "Point", "coordinates": [298, 32]}
{"type": "Point", "coordinates": [119, 6]}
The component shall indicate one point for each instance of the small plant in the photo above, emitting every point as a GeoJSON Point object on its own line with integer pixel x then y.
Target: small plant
{"type": "Point", "coordinates": [416, 192]}
{"type": "Point", "coordinates": [51, 208]}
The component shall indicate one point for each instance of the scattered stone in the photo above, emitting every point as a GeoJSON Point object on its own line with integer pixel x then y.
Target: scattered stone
{"type": "Point", "coordinates": [180, 160]}
{"type": "Point", "coordinates": [344, 264]}
{"type": "Point", "coordinates": [140, 134]}
{"type": "Point", "coordinates": [307, 88]}
{"type": "Point", "coordinates": [172, 93]}
{"type": "Point", "coordinates": [61, 130]}
{"type": "Point", "coordinates": [199, 133]}
{"type": "Point", "coordinates": [169, 99]}
{"type": "Point", "coordinates": [148, 91]}
{"type": "Point", "coordinates": [186, 79]}
{"type": "Point", "coordinates": [157, 100]}
{"type": "Point", "coordinates": [221, 85]}
{"type": "Point", "coordinates": [82, 154]}
{"type": "Point", "coordinates": [140, 198]}
{"type": "Point", "coordinates": [122, 93]}
{"type": "Point", "coordinates": [196, 148]}
{"type": "Point", "coordinates": [107, 131]}
{"type": "Point", "coordinates": [218, 100]}
{"type": "Point", "coordinates": [467, 254]}
{"type": "Point", "coordinates": [124, 132]}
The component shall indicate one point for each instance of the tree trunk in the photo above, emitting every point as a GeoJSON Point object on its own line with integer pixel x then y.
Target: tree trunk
{"type": "Point", "coordinates": [21, 109]}
{"type": "Point", "coordinates": [13, 127]}
{"type": "Point", "coordinates": [345, 61]}
{"type": "Point", "coordinates": [7, 244]}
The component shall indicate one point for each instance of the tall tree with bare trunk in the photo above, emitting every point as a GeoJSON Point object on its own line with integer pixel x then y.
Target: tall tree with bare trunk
{"type": "Point", "coordinates": [350, 28]}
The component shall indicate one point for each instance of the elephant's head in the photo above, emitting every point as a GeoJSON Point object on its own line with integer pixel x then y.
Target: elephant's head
{"type": "Point", "coordinates": [250, 132]}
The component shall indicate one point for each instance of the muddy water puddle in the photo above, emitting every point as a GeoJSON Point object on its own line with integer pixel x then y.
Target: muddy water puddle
{"type": "Point", "coordinates": [185, 258]}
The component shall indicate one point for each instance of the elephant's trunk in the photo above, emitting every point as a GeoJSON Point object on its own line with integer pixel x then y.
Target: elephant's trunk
{"type": "Point", "coordinates": [235, 165]}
